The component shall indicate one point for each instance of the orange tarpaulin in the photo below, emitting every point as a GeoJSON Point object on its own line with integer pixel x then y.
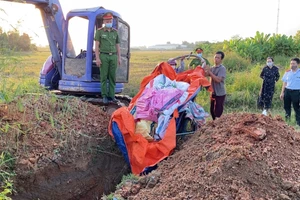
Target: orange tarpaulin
{"type": "Point", "coordinates": [142, 153]}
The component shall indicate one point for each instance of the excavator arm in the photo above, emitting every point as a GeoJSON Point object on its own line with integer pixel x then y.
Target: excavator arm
{"type": "Point", "coordinates": [65, 60]}
{"type": "Point", "coordinates": [54, 24]}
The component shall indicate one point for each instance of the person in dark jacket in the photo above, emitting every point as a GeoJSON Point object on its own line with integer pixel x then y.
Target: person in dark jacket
{"type": "Point", "coordinates": [270, 75]}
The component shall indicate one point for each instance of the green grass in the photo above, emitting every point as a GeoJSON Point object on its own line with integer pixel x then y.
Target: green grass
{"type": "Point", "coordinates": [142, 63]}
{"type": "Point", "coordinates": [7, 163]}
{"type": "Point", "coordinates": [20, 75]}
{"type": "Point", "coordinates": [242, 82]}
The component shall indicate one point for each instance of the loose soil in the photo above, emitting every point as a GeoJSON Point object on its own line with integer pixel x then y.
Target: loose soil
{"type": "Point", "coordinates": [62, 148]}
{"type": "Point", "coordinates": [239, 156]}
{"type": "Point", "coordinates": [63, 151]}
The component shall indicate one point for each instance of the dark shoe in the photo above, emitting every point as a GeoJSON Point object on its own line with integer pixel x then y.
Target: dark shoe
{"type": "Point", "coordinates": [114, 100]}
{"type": "Point", "coordinates": [105, 100]}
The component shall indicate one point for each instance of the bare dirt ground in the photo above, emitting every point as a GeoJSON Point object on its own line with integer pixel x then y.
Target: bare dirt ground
{"type": "Point", "coordinates": [63, 151]}
{"type": "Point", "coordinates": [239, 156]}
{"type": "Point", "coordinates": [62, 148]}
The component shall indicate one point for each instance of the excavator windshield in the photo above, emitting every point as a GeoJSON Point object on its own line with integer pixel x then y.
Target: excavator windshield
{"type": "Point", "coordinates": [78, 37]}
{"type": "Point", "coordinates": [123, 72]}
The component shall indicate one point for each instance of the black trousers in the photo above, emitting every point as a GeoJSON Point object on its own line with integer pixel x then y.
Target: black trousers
{"type": "Point", "coordinates": [267, 93]}
{"type": "Point", "coordinates": [292, 97]}
{"type": "Point", "coordinates": [217, 106]}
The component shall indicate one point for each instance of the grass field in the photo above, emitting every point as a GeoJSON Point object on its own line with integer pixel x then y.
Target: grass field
{"type": "Point", "coordinates": [242, 87]}
{"type": "Point", "coordinates": [142, 63]}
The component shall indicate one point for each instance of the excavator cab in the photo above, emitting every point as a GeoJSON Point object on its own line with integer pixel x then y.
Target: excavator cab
{"type": "Point", "coordinates": [72, 68]}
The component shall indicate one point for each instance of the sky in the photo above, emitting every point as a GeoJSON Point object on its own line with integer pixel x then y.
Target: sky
{"type": "Point", "coordinates": [160, 21]}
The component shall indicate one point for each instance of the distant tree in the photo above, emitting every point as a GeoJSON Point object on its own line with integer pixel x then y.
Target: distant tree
{"type": "Point", "coordinates": [262, 45]}
{"type": "Point", "coordinates": [3, 39]}
{"type": "Point", "coordinates": [14, 41]}
{"type": "Point", "coordinates": [236, 37]}
{"type": "Point", "coordinates": [297, 36]}
{"type": "Point", "coordinates": [24, 42]}
{"type": "Point", "coordinates": [33, 47]}
{"type": "Point", "coordinates": [168, 42]}
{"type": "Point", "coordinates": [201, 42]}
{"type": "Point", "coordinates": [189, 45]}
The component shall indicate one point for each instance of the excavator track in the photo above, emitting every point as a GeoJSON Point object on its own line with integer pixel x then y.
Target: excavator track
{"type": "Point", "coordinates": [123, 100]}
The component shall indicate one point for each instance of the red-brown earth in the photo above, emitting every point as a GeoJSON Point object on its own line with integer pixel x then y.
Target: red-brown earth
{"type": "Point", "coordinates": [239, 156]}
{"type": "Point", "coordinates": [62, 150]}
{"type": "Point", "coordinates": [61, 147]}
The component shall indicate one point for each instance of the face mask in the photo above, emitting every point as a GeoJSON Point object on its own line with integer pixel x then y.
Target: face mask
{"type": "Point", "coordinates": [199, 55]}
{"type": "Point", "coordinates": [108, 25]}
{"type": "Point", "coordinates": [173, 66]}
{"type": "Point", "coordinates": [270, 64]}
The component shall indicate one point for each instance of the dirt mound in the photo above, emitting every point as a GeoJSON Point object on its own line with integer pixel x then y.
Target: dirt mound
{"type": "Point", "coordinates": [61, 147]}
{"type": "Point", "coordinates": [239, 156]}
{"type": "Point", "coordinates": [63, 151]}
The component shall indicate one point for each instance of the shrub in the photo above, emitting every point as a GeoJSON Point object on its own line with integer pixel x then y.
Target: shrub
{"type": "Point", "coordinates": [235, 63]}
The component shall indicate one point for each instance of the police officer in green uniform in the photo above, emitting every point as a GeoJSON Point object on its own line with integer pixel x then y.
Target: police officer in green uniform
{"type": "Point", "coordinates": [196, 62]}
{"type": "Point", "coordinates": [290, 92]}
{"type": "Point", "coordinates": [107, 52]}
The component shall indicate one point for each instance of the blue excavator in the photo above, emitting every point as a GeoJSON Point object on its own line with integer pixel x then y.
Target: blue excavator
{"type": "Point", "coordinates": [71, 67]}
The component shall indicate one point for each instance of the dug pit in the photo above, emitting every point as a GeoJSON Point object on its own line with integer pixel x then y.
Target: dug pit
{"type": "Point", "coordinates": [60, 147]}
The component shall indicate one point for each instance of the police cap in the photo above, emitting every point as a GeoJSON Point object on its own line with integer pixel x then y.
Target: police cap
{"type": "Point", "coordinates": [108, 15]}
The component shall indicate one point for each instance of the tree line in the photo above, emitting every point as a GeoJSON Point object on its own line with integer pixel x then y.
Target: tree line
{"type": "Point", "coordinates": [13, 40]}
{"type": "Point", "coordinates": [257, 48]}
{"type": "Point", "coordinates": [262, 45]}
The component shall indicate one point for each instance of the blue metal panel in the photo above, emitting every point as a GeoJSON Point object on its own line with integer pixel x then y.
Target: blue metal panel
{"type": "Point", "coordinates": [81, 86]}
{"type": "Point", "coordinates": [37, 2]}
{"type": "Point", "coordinates": [81, 10]}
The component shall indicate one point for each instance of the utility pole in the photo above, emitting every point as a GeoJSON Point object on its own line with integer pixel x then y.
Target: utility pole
{"type": "Point", "coordinates": [277, 17]}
